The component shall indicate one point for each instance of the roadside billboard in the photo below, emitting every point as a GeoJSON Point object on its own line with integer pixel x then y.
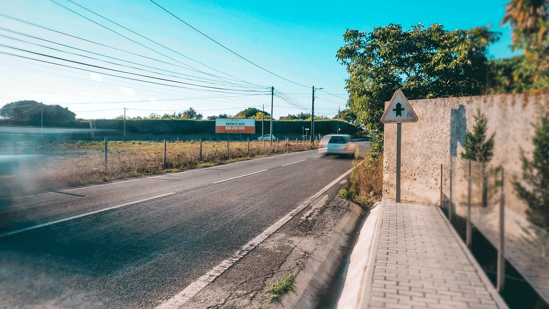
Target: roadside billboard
{"type": "Point", "coordinates": [235, 125]}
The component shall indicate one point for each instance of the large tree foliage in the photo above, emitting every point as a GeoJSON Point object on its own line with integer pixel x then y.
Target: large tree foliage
{"type": "Point", "coordinates": [346, 115]}
{"type": "Point", "coordinates": [534, 187]}
{"type": "Point", "coordinates": [530, 22]}
{"type": "Point", "coordinates": [249, 113]}
{"type": "Point", "coordinates": [30, 110]}
{"type": "Point", "coordinates": [508, 76]}
{"type": "Point", "coordinates": [422, 62]}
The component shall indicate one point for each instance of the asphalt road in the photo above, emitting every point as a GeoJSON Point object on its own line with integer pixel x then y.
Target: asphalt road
{"type": "Point", "coordinates": [139, 242]}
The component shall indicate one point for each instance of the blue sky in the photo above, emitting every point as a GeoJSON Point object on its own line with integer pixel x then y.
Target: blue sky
{"type": "Point", "coordinates": [294, 39]}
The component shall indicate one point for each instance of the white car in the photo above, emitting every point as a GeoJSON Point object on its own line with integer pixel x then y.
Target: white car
{"type": "Point", "coordinates": [337, 144]}
{"type": "Point", "coordinates": [267, 137]}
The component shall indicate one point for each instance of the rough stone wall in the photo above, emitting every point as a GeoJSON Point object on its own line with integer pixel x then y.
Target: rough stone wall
{"type": "Point", "coordinates": [439, 137]}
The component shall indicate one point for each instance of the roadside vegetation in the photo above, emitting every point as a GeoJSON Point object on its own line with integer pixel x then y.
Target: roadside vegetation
{"type": "Point", "coordinates": [80, 163]}
{"type": "Point", "coordinates": [366, 184]}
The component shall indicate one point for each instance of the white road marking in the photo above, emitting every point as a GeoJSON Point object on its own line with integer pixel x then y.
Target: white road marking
{"type": "Point", "coordinates": [318, 156]}
{"type": "Point", "coordinates": [80, 216]}
{"type": "Point", "coordinates": [194, 288]}
{"type": "Point", "coordinates": [241, 176]}
{"type": "Point", "coordinates": [294, 162]}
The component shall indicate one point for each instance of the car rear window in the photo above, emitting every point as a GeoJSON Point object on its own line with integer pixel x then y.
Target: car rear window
{"type": "Point", "coordinates": [337, 140]}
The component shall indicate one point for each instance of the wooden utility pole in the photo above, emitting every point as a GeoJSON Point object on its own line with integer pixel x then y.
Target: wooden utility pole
{"type": "Point", "coordinates": [262, 125]}
{"type": "Point", "coordinates": [164, 159]}
{"type": "Point", "coordinates": [124, 123]}
{"type": "Point", "coordinates": [271, 131]}
{"type": "Point", "coordinates": [313, 117]}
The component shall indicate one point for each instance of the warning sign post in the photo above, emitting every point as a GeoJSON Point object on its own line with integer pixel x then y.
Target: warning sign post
{"type": "Point", "coordinates": [398, 111]}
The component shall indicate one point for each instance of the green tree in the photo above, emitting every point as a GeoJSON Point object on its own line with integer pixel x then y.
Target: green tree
{"type": "Point", "coordinates": [249, 113]}
{"type": "Point", "coordinates": [346, 115]}
{"type": "Point", "coordinates": [30, 110]}
{"type": "Point", "coordinates": [530, 22]}
{"type": "Point", "coordinates": [480, 149]}
{"type": "Point", "coordinates": [422, 62]}
{"type": "Point", "coordinates": [534, 187]}
{"type": "Point", "coordinates": [507, 76]}
{"type": "Point", "coordinates": [259, 116]}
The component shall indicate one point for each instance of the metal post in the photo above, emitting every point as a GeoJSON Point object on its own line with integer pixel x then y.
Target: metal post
{"type": "Point", "coordinates": [469, 234]}
{"type": "Point", "coordinates": [200, 149]}
{"type": "Point", "coordinates": [313, 118]}
{"type": "Point", "coordinates": [271, 129]}
{"type": "Point", "coordinates": [399, 130]}
{"type": "Point", "coordinates": [262, 125]}
{"type": "Point", "coordinates": [450, 202]}
{"type": "Point", "coordinates": [106, 151]}
{"type": "Point", "coordinates": [164, 161]}
{"type": "Point", "coordinates": [501, 247]}
{"type": "Point", "coordinates": [441, 194]}
{"type": "Point", "coordinates": [228, 153]}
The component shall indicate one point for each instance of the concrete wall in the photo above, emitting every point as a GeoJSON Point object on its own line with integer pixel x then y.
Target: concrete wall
{"type": "Point", "coordinates": [439, 137]}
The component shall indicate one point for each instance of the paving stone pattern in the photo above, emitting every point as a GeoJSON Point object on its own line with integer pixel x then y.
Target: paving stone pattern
{"type": "Point", "coordinates": [420, 264]}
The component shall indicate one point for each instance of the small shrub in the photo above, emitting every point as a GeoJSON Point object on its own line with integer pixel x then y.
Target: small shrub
{"type": "Point", "coordinates": [276, 290]}
{"type": "Point", "coordinates": [79, 143]}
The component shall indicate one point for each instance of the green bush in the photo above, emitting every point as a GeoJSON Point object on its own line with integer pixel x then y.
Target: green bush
{"type": "Point", "coordinates": [276, 290]}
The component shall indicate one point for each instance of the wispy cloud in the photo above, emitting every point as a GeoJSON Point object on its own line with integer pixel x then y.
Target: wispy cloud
{"type": "Point", "coordinates": [96, 77]}
{"type": "Point", "coordinates": [127, 91]}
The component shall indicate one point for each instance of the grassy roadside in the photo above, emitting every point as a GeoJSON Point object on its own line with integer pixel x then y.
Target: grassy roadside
{"type": "Point", "coordinates": [366, 183]}
{"type": "Point", "coordinates": [83, 163]}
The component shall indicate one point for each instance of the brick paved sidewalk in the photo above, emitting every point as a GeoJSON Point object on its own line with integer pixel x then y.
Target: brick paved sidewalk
{"type": "Point", "coordinates": [419, 261]}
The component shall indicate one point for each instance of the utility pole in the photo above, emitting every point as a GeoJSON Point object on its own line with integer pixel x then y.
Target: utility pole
{"type": "Point", "coordinates": [338, 113]}
{"type": "Point", "coordinates": [272, 98]}
{"type": "Point", "coordinates": [313, 118]}
{"type": "Point", "coordinates": [262, 125]}
{"type": "Point", "coordinates": [124, 123]}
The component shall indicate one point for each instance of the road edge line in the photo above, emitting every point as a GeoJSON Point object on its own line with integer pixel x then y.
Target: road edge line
{"type": "Point", "coordinates": [194, 288]}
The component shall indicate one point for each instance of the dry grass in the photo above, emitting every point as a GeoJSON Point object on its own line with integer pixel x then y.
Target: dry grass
{"type": "Point", "coordinates": [83, 163]}
{"type": "Point", "coordinates": [366, 183]}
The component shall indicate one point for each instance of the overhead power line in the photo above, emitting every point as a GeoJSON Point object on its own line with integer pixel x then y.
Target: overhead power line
{"type": "Point", "coordinates": [128, 78]}
{"type": "Point", "coordinates": [225, 47]}
{"type": "Point", "coordinates": [142, 36]}
{"type": "Point", "coordinates": [118, 71]}
{"type": "Point", "coordinates": [99, 44]}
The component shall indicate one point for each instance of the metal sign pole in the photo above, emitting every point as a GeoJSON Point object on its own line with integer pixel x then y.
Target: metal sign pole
{"type": "Point", "coordinates": [399, 132]}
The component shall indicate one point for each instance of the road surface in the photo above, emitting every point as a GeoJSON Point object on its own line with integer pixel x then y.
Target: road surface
{"type": "Point", "coordinates": [140, 242]}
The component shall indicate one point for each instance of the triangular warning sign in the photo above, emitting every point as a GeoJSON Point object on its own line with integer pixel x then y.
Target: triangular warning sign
{"type": "Point", "coordinates": [399, 110]}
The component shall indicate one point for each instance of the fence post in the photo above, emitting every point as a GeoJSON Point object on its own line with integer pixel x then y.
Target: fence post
{"type": "Point", "coordinates": [263, 138]}
{"type": "Point", "coordinates": [501, 247]}
{"type": "Point", "coordinates": [164, 159]}
{"type": "Point", "coordinates": [228, 153]}
{"type": "Point", "coordinates": [277, 143]}
{"type": "Point", "coordinates": [441, 195]}
{"type": "Point", "coordinates": [286, 144]}
{"type": "Point", "coordinates": [450, 202]}
{"type": "Point", "coordinates": [468, 235]}
{"type": "Point", "coordinates": [200, 149]}
{"type": "Point", "coordinates": [106, 152]}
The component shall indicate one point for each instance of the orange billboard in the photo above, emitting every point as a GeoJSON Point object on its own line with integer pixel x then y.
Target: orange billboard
{"type": "Point", "coordinates": [235, 125]}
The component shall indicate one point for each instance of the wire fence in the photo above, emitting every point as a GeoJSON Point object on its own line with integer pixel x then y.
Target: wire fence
{"type": "Point", "coordinates": [477, 193]}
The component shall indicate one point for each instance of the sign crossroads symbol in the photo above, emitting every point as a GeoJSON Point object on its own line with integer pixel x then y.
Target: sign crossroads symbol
{"type": "Point", "coordinates": [399, 110]}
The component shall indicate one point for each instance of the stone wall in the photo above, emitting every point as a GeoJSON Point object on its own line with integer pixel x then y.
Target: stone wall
{"type": "Point", "coordinates": [439, 137]}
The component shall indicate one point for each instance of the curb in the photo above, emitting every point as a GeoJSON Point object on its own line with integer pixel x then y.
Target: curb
{"type": "Point", "coordinates": [313, 281]}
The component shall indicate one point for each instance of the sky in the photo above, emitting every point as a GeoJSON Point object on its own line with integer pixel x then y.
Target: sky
{"type": "Point", "coordinates": [96, 73]}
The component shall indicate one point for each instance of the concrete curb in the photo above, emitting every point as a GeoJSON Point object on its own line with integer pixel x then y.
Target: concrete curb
{"type": "Point", "coordinates": [313, 281]}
